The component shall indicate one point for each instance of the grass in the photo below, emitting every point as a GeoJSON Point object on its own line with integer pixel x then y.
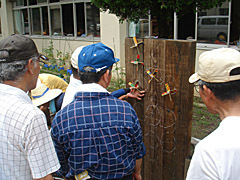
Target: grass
{"type": "Point", "coordinates": [203, 122]}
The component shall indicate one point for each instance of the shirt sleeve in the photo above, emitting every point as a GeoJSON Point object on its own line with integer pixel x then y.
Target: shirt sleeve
{"type": "Point", "coordinates": [39, 148]}
{"type": "Point", "coordinates": [118, 93]}
{"type": "Point", "coordinates": [203, 165]}
{"type": "Point", "coordinates": [62, 155]}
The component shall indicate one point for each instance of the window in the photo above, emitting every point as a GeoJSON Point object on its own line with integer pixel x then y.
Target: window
{"type": "Point", "coordinates": [57, 18]}
{"type": "Point", "coordinates": [143, 28]}
{"type": "Point", "coordinates": [45, 21]}
{"type": "Point", "coordinates": [140, 29]}
{"type": "Point", "coordinates": [209, 21]}
{"type": "Point", "coordinates": [21, 23]}
{"type": "Point", "coordinates": [222, 21]}
{"type": "Point", "coordinates": [216, 25]}
{"type": "Point", "coordinates": [32, 2]}
{"type": "Point", "coordinates": [80, 20]}
{"type": "Point", "coordinates": [213, 26]}
{"type": "Point", "coordinates": [67, 14]}
{"type": "Point", "coordinates": [21, 2]}
{"type": "Point", "coordinates": [93, 21]}
{"type": "Point", "coordinates": [53, 1]}
{"type": "Point", "coordinates": [36, 24]}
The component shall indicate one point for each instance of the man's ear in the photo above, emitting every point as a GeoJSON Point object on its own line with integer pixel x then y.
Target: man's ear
{"type": "Point", "coordinates": [30, 66]}
{"type": "Point", "coordinates": [207, 93]}
{"type": "Point", "coordinates": [106, 76]}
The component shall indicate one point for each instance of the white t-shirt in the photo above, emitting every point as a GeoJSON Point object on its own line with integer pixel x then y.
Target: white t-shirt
{"type": "Point", "coordinates": [26, 147]}
{"type": "Point", "coordinates": [71, 90]}
{"type": "Point", "coordinates": [217, 156]}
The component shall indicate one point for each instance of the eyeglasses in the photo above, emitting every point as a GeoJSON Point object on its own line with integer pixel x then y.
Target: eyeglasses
{"type": "Point", "coordinates": [42, 62]}
{"type": "Point", "coordinates": [196, 86]}
{"type": "Point", "coordinates": [41, 58]}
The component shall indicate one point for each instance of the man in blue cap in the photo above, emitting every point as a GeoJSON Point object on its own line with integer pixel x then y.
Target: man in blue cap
{"type": "Point", "coordinates": [75, 82]}
{"type": "Point", "coordinates": [98, 133]}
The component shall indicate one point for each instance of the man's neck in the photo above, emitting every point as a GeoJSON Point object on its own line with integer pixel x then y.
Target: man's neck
{"type": "Point", "coordinates": [228, 108]}
{"type": "Point", "coordinates": [76, 76]}
{"type": "Point", "coordinates": [15, 84]}
{"type": "Point", "coordinates": [21, 83]}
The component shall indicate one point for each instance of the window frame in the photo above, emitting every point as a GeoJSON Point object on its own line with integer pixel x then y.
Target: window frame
{"type": "Point", "coordinates": [49, 5]}
{"type": "Point", "coordinates": [200, 45]}
{"type": "Point", "coordinates": [209, 45]}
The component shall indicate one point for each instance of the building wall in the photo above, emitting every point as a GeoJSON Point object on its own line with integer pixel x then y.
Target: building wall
{"type": "Point", "coordinates": [112, 34]}
{"type": "Point", "coordinates": [6, 18]}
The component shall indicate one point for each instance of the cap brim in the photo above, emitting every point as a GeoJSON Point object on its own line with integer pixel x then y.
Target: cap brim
{"type": "Point", "coordinates": [193, 78]}
{"type": "Point", "coordinates": [116, 60]}
{"type": "Point", "coordinates": [50, 95]}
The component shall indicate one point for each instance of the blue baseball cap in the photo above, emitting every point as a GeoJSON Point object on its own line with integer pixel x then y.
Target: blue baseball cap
{"type": "Point", "coordinates": [96, 56]}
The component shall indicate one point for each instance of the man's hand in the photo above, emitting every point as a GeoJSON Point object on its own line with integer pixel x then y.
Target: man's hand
{"type": "Point", "coordinates": [137, 170]}
{"type": "Point", "coordinates": [136, 94]}
{"type": "Point", "coordinates": [137, 176]}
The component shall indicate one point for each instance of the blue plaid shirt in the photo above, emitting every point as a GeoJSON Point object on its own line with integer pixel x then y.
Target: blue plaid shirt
{"type": "Point", "coordinates": [98, 133]}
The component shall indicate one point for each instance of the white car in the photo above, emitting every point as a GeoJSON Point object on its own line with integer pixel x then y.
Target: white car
{"type": "Point", "coordinates": [213, 27]}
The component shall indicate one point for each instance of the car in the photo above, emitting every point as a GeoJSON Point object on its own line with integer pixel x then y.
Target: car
{"type": "Point", "coordinates": [213, 28]}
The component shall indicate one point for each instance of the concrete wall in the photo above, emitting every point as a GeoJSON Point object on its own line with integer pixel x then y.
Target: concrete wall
{"type": "Point", "coordinates": [62, 44]}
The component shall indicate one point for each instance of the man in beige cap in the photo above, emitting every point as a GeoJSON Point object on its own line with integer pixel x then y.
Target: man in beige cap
{"type": "Point", "coordinates": [26, 148]}
{"type": "Point", "coordinates": [217, 156]}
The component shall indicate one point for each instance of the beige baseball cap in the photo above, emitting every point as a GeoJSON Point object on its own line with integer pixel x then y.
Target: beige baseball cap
{"type": "Point", "coordinates": [216, 65]}
{"type": "Point", "coordinates": [74, 58]}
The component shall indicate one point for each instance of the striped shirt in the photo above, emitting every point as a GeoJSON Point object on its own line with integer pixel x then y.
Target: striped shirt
{"type": "Point", "coordinates": [98, 133]}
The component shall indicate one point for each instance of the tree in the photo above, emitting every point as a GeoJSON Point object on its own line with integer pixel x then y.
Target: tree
{"type": "Point", "coordinates": [162, 10]}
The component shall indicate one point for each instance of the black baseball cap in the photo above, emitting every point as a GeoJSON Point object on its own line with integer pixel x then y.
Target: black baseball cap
{"type": "Point", "coordinates": [17, 48]}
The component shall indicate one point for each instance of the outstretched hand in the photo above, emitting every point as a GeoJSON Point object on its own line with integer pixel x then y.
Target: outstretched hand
{"type": "Point", "coordinates": [136, 94]}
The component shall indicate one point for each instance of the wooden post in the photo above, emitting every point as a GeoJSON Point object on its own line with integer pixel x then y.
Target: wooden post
{"type": "Point", "coordinates": [166, 122]}
{"type": "Point", "coordinates": [132, 74]}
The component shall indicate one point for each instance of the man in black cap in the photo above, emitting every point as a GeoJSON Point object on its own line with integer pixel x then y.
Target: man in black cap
{"type": "Point", "coordinates": [26, 148]}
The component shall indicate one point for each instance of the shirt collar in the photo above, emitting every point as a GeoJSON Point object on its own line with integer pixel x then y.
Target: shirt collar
{"type": "Point", "coordinates": [11, 90]}
{"type": "Point", "coordinates": [91, 87]}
